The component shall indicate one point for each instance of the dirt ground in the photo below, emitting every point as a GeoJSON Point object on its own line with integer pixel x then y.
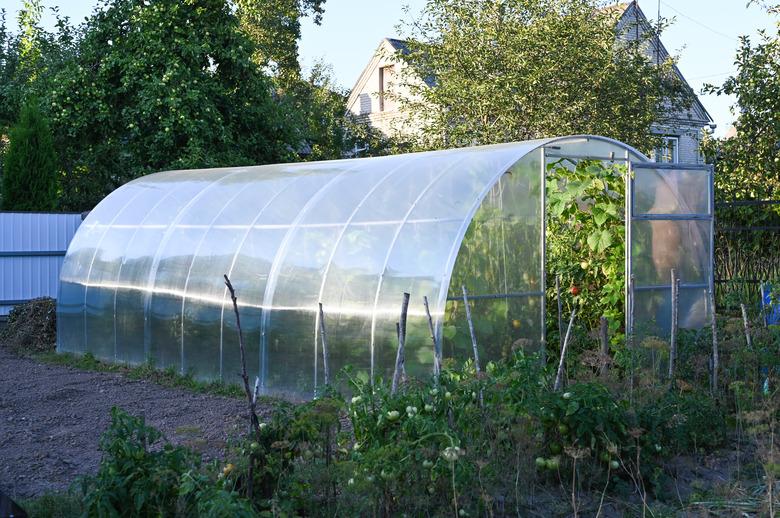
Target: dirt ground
{"type": "Point", "coordinates": [51, 418]}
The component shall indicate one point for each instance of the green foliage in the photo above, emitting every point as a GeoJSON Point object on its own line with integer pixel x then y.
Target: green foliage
{"type": "Point", "coordinates": [136, 476]}
{"type": "Point", "coordinates": [325, 129]}
{"type": "Point", "coordinates": [30, 164]}
{"type": "Point", "coordinates": [275, 27]}
{"type": "Point", "coordinates": [749, 163]}
{"type": "Point", "coordinates": [586, 239]}
{"type": "Point", "coordinates": [142, 475]}
{"type": "Point", "coordinates": [682, 422]}
{"type": "Point", "coordinates": [167, 85]}
{"type": "Point", "coordinates": [585, 416]}
{"type": "Point", "coordinates": [526, 69]}
{"type": "Point", "coordinates": [54, 505]}
{"type": "Point", "coordinates": [748, 168]}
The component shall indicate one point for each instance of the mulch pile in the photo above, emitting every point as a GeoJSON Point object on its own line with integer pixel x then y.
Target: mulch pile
{"type": "Point", "coordinates": [31, 327]}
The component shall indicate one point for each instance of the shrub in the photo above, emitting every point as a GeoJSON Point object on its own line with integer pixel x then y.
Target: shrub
{"type": "Point", "coordinates": [137, 475]}
{"type": "Point", "coordinates": [30, 164]}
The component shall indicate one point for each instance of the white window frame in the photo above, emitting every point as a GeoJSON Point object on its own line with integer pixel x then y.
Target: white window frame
{"type": "Point", "coordinates": [663, 150]}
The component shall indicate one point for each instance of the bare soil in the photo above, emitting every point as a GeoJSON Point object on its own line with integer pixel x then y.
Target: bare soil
{"type": "Point", "coordinates": [51, 419]}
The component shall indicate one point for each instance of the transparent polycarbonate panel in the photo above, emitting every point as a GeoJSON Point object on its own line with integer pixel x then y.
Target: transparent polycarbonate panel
{"type": "Point", "coordinates": [267, 237]}
{"type": "Point", "coordinates": [183, 242]}
{"type": "Point", "coordinates": [71, 307]}
{"type": "Point", "coordinates": [204, 290]}
{"type": "Point", "coordinates": [135, 279]}
{"type": "Point", "coordinates": [309, 248]}
{"type": "Point", "coordinates": [671, 191]}
{"type": "Point", "coordinates": [349, 291]}
{"type": "Point", "coordinates": [653, 310]}
{"type": "Point", "coordinates": [501, 326]}
{"type": "Point", "coordinates": [416, 266]}
{"type": "Point", "coordinates": [501, 254]}
{"type": "Point", "coordinates": [592, 147]}
{"type": "Point", "coordinates": [660, 245]}
{"type": "Point", "coordinates": [501, 251]}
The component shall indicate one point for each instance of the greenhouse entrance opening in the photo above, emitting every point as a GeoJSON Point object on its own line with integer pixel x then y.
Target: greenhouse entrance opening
{"type": "Point", "coordinates": [142, 279]}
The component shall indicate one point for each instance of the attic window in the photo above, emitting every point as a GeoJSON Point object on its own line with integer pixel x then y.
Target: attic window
{"type": "Point", "coordinates": [668, 151]}
{"type": "Point", "coordinates": [385, 78]}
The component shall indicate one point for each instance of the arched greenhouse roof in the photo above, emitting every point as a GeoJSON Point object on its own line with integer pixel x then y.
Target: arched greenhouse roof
{"type": "Point", "coordinates": [142, 279]}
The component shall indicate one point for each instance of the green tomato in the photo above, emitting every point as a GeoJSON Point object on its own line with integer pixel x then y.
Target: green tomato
{"type": "Point", "coordinates": [429, 408]}
{"type": "Point", "coordinates": [614, 464]}
{"type": "Point", "coordinates": [555, 448]}
{"type": "Point", "coordinates": [553, 463]}
{"type": "Point", "coordinates": [563, 429]}
{"type": "Point", "coordinates": [427, 464]}
{"type": "Point", "coordinates": [448, 395]}
{"type": "Point", "coordinates": [541, 462]}
{"type": "Point", "coordinates": [393, 415]}
{"type": "Point", "coordinates": [605, 457]}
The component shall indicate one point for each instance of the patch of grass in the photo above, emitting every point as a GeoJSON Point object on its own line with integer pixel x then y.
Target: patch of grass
{"type": "Point", "coordinates": [146, 371]}
{"type": "Point", "coordinates": [54, 505]}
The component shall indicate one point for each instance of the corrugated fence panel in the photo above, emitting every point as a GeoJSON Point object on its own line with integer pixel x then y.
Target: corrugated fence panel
{"type": "Point", "coordinates": [32, 248]}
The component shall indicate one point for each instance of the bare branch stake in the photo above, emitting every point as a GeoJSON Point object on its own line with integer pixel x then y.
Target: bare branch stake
{"type": "Point", "coordinates": [745, 322]}
{"type": "Point", "coordinates": [436, 350]}
{"type": "Point", "coordinates": [563, 352]}
{"type": "Point", "coordinates": [675, 314]}
{"type": "Point", "coordinates": [560, 310]}
{"type": "Point", "coordinates": [764, 318]}
{"type": "Point", "coordinates": [715, 355]}
{"type": "Point", "coordinates": [471, 329]}
{"type": "Point", "coordinates": [604, 339]}
{"type": "Point", "coordinates": [253, 421]}
{"type": "Point", "coordinates": [325, 353]}
{"type": "Point", "coordinates": [400, 370]}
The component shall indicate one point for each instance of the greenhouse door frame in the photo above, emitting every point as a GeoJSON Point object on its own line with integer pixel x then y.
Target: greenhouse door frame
{"type": "Point", "coordinates": [632, 216]}
{"type": "Point", "coordinates": [633, 167]}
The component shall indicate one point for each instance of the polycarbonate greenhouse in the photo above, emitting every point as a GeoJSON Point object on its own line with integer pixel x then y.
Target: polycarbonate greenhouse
{"type": "Point", "coordinates": [142, 279]}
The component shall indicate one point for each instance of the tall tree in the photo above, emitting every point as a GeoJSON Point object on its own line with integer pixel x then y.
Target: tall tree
{"type": "Point", "coordinates": [748, 164]}
{"type": "Point", "coordinates": [162, 85]}
{"type": "Point", "coordinates": [525, 69]}
{"type": "Point", "coordinates": [275, 28]}
{"type": "Point", "coordinates": [30, 166]}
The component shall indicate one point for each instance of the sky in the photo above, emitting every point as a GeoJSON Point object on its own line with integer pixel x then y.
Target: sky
{"type": "Point", "coordinates": [704, 35]}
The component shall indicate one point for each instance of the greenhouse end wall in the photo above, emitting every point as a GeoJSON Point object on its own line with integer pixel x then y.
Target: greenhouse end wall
{"type": "Point", "coordinates": [142, 280]}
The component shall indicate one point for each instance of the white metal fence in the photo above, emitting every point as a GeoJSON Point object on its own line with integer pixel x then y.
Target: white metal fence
{"type": "Point", "coordinates": [32, 247]}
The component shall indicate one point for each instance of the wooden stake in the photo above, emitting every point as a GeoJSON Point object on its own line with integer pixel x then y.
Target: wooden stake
{"type": "Point", "coordinates": [325, 353]}
{"type": "Point", "coordinates": [252, 398]}
{"type": "Point", "coordinates": [560, 310]}
{"type": "Point", "coordinates": [631, 348]}
{"type": "Point", "coordinates": [715, 355]}
{"type": "Point", "coordinates": [764, 318]}
{"type": "Point", "coordinates": [563, 352]}
{"type": "Point", "coordinates": [436, 351]}
{"type": "Point", "coordinates": [471, 329]}
{"type": "Point", "coordinates": [399, 357]}
{"type": "Point", "coordinates": [747, 326]}
{"type": "Point", "coordinates": [604, 339]}
{"type": "Point", "coordinates": [673, 338]}
{"type": "Point", "coordinates": [252, 415]}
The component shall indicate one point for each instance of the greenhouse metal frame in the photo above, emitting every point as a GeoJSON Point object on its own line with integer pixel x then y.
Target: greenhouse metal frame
{"type": "Point", "coordinates": [142, 279]}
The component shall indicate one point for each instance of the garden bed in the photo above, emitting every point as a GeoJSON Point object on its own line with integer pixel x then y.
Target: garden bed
{"type": "Point", "coordinates": [52, 417]}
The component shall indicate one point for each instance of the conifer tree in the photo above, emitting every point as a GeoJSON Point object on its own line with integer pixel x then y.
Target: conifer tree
{"type": "Point", "coordinates": [30, 164]}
